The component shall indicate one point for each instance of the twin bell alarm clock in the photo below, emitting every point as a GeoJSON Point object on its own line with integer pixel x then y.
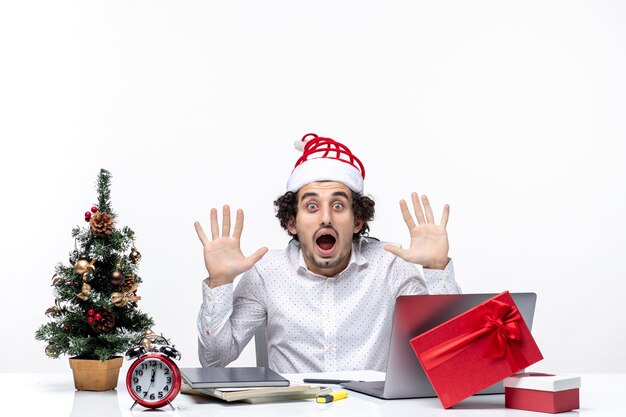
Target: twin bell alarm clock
{"type": "Point", "coordinates": [153, 380]}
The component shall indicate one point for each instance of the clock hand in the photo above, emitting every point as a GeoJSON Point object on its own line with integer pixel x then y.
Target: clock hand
{"type": "Point", "coordinates": [151, 383]}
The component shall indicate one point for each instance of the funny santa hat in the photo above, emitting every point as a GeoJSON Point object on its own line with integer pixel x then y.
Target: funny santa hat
{"type": "Point", "coordinates": [325, 159]}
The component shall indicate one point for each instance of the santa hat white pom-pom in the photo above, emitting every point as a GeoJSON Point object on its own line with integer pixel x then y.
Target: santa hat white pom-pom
{"type": "Point", "coordinates": [299, 145]}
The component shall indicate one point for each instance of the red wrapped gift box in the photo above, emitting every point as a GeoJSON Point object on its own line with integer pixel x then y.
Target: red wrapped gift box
{"type": "Point", "coordinates": [542, 392]}
{"type": "Point", "coordinates": [476, 349]}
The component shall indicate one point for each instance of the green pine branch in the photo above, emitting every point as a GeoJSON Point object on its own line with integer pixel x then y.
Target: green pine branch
{"type": "Point", "coordinates": [103, 186]}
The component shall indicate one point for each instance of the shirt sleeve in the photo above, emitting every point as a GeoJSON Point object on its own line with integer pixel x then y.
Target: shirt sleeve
{"type": "Point", "coordinates": [411, 279]}
{"type": "Point", "coordinates": [228, 318]}
{"type": "Point", "coordinates": [441, 281]}
{"type": "Point", "coordinates": [407, 278]}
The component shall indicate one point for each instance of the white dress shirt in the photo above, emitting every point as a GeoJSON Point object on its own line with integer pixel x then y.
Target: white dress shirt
{"type": "Point", "coordinates": [314, 323]}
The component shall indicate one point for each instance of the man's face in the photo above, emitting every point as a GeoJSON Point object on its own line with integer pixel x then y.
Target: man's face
{"type": "Point", "coordinates": [324, 225]}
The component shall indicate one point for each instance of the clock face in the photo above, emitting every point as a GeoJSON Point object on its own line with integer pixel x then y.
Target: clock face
{"type": "Point", "coordinates": [152, 380]}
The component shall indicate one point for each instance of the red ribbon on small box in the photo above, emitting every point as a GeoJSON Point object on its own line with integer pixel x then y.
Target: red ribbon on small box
{"type": "Point", "coordinates": [494, 319]}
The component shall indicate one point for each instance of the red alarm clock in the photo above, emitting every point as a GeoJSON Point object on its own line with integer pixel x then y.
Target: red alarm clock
{"type": "Point", "coordinates": [153, 380]}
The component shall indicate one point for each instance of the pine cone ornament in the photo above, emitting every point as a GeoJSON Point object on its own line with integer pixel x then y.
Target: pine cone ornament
{"type": "Point", "coordinates": [105, 324]}
{"type": "Point", "coordinates": [101, 224]}
{"type": "Point", "coordinates": [129, 284]}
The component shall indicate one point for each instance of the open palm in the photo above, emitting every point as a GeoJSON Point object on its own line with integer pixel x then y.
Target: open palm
{"type": "Point", "coordinates": [429, 241]}
{"type": "Point", "coordinates": [222, 255]}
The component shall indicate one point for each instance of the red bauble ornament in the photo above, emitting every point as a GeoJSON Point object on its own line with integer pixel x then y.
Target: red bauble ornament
{"type": "Point", "coordinates": [66, 328]}
{"type": "Point", "coordinates": [94, 209]}
{"type": "Point", "coordinates": [98, 316]}
{"type": "Point", "coordinates": [87, 214]}
{"type": "Point", "coordinates": [89, 319]}
{"type": "Point", "coordinates": [90, 311]}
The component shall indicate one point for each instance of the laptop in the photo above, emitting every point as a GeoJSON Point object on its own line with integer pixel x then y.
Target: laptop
{"type": "Point", "coordinates": [413, 315]}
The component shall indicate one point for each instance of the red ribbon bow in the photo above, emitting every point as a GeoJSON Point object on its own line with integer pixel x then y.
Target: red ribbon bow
{"type": "Point", "coordinates": [498, 320]}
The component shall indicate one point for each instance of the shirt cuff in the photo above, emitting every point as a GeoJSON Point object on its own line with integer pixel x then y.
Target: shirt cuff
{"type": "Point", "coordinates": [217, 299]}
{"type": "Point", "coordinates": [441, 280]}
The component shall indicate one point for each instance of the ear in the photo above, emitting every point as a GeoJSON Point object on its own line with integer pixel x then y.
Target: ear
{"type": "Point", "coordinates": [358, 224]}
{"type": "Point", "coordinates": [291, 226]}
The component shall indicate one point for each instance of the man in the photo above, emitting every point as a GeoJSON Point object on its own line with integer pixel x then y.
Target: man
{"type": "Point", "coordinates": [328, 298]}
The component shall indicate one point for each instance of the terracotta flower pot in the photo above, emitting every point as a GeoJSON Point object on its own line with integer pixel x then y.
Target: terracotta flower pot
{"type": "Point", "coordinates": [95, 375]}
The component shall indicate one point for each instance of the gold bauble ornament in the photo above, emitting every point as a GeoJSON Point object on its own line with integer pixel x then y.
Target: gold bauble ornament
{"type": "Point", "coordinates": [146, 343]}
{"type": "Point", "coordinates": [48, 351]}
{"type": "Point", "coordinates": [134, 256]}
{"type": "Point", "coordinates": [84, 266]}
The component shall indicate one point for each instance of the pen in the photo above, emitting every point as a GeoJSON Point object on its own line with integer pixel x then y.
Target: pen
{"type": "Point", "coordinates": [325, 381]}
{"type": "Point", "coordinates": [333, 396]}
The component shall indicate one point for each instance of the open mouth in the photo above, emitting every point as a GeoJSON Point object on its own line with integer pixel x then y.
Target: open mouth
{"type": "Point", "coordinates": [326, 241]}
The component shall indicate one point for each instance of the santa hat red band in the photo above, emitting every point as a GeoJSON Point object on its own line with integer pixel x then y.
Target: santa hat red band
{"type": "Point", "coordinates": [325, 159]}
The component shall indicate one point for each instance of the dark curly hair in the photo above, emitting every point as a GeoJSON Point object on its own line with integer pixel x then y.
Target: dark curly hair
{"type": "Point", "coordinates": [362, 207]}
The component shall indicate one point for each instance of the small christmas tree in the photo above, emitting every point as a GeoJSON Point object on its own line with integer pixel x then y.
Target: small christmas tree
{"type": "Point", "coordinates": [95, 314]}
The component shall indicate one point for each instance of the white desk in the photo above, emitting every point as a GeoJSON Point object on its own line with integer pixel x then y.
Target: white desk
{"type": "Point", "coordinates": [52, 395]}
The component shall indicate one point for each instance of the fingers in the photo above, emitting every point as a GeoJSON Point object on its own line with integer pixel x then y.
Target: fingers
{"type": "Point", "coordinates": [215, 228]}
{"type": "Point", "coordinates": [429, 211]}
{"type": "Point", "coordinates": [408, 219]}
{"type": "Point", "coordinates": [445, 215]}
{"type": "Point", "coordinates": [394, 249]}
{"type": "Point", "coordinates": [256, 256]}
{"type": "Point", "coordinates": [424, 212]}
{"type": "Point", "coordinates": [238, 224]}
{"type": "Point", "coordinates": [225, 221]}
{"type": "Point", "coordinates": [259, 254]}
{"type": "Point", "coordinates": [417, 208]}
{"type": "Point", "coordinates": [201, 234]}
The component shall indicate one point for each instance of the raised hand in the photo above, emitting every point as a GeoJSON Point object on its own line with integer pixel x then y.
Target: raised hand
{"type": "Point", "coordinates": [222, 255]}
{"type": "Point", "coordinates": [429, 241]}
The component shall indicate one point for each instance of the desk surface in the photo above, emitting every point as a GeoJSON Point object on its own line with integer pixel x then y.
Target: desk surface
{"type": "Point", "coordinates": [54, 395]}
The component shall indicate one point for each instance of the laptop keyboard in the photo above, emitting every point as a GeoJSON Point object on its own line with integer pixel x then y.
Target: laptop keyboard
{"type": "Point", "coordinates": [380, 386]}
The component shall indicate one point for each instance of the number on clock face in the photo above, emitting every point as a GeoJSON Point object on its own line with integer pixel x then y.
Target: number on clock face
{"type": "Point", "coordinates": [152, 380]}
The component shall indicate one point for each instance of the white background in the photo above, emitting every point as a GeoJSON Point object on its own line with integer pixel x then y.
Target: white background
{"type": "Point", "coordinates": [511, 112]}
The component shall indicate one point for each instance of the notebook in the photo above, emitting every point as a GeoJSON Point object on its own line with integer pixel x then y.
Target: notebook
{"type": "Point", "coordinates": [413, 315]}
{"type": "Point", "coordinates": [257, 395]}
{"type": "Point", "coordinates": [232, 377]}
